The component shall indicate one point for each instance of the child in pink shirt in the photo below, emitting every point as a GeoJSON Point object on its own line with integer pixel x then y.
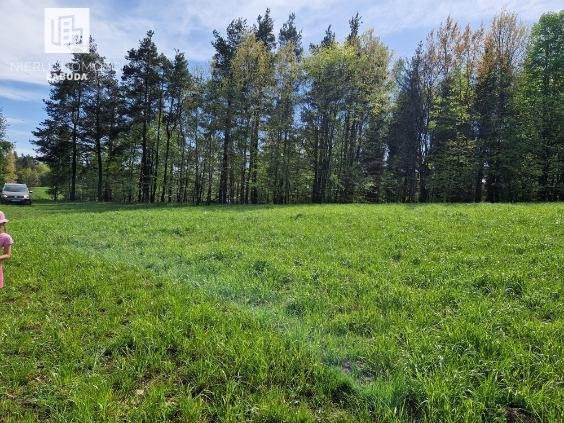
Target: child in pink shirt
{"type": "Point", "coordinates": [5, 245]}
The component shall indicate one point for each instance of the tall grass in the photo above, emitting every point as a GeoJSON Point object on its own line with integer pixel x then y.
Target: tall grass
{"type": "Point", "coordinates": [351, 312]}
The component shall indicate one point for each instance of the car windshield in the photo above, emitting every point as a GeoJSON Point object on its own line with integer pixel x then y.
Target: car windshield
{"type": "Point", "coordinates": [15, 188]}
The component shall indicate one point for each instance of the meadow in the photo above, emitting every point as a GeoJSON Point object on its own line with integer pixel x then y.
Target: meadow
{"type": "Point", "coordinates": [283, 313]}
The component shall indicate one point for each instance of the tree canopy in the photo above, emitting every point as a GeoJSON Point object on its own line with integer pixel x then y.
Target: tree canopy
{"type": "Point", "coordinates": [474, 115]}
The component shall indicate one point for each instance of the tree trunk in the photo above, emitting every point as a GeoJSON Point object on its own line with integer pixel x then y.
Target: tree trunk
{"type": "Point", "coordinates": [254, 157]}
{"type": "Point", "coordinates": [223, 178]}
{"type": "Point", "coordinates": [72, 196]}
{"type": "Point", "coordinates": [156, 173]}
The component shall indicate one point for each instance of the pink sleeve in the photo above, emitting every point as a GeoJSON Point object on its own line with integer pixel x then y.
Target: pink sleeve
{"type": "Point", "coordinates": [5, 240]}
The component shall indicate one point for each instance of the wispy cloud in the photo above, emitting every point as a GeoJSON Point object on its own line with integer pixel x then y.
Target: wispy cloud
{"type": "Point", "coordinates": [17, 94]}
{"type": "Point", "coordinates": [15, 121]}
{"type": "Point", "coordinates": [391, 17]}
{"type": "Point", "coordinates": [187, 24]}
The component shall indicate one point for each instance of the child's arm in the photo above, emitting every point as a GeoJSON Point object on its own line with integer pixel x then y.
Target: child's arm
{"type": "Point", "coordinates": [7, 253]}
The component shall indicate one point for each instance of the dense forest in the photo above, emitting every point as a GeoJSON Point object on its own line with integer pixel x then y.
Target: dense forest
{"type": "Point", "coordinates": [475, 115]}
{"type": "Point", "coordinates": [25, 168]}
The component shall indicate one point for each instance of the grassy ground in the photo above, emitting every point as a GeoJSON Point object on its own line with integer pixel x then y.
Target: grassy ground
{"type": "Point", "coordinates": [40, 194]}
{"type": "Point", "coordinates": [297, 313]}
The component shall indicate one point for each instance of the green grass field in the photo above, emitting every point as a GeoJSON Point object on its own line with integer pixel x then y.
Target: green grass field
{"type": "Point", "coordinates": [296, 313]}
{"type": "Point", "coordinates": [40, 194]}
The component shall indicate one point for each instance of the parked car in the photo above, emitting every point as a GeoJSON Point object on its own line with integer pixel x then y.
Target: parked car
{"type": "Point", "coordinates": [16, 193]}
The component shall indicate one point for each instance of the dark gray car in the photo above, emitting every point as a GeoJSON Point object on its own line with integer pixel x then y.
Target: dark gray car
{"type": "Point", "coordinates": [16, 193]}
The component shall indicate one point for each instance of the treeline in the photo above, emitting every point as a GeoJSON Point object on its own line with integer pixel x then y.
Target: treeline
{"type": "Point", "coordinates": [25, 168]}
{"type": "Point", "coordinates": [474, 115]}
{"type": "Point", "coordinates": [7, 157]}
{"type": "Point", "coordinates": [30, 171]}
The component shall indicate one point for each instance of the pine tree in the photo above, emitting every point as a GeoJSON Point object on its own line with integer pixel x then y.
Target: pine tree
{"type": "Point", "coordinates": [99, 109]}
{"type": "Point", "coordinates": [544, 87]}
{"type": "Point", "coordinates": [407, 134]}
{"type": "Point", "coordinates": [252, 74]}
{"type": "Point", "coordinates": [141, 82]}
{"type": "Point", "coordinates": [225, 50]}
{"type": "Point", "coordinates": [496, 81]}
{"type": "Point", "coordinates": [3, 126]}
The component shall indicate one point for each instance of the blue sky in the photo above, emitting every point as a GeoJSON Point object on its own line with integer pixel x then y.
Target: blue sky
{"type": "Point", "coordinates": [188, 24]}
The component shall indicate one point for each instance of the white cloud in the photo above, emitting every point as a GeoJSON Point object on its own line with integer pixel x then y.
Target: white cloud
{"type": "Point", "coordinates": [15, 121]}
{"type": "Point", "coordinates": [188, 24]}
{"type": "Point", "coordinates": [18, 94]}
{"type": "Point", "coordinates": [21, 38]}
{"type": "Point", "coordinates": [391, 17]}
